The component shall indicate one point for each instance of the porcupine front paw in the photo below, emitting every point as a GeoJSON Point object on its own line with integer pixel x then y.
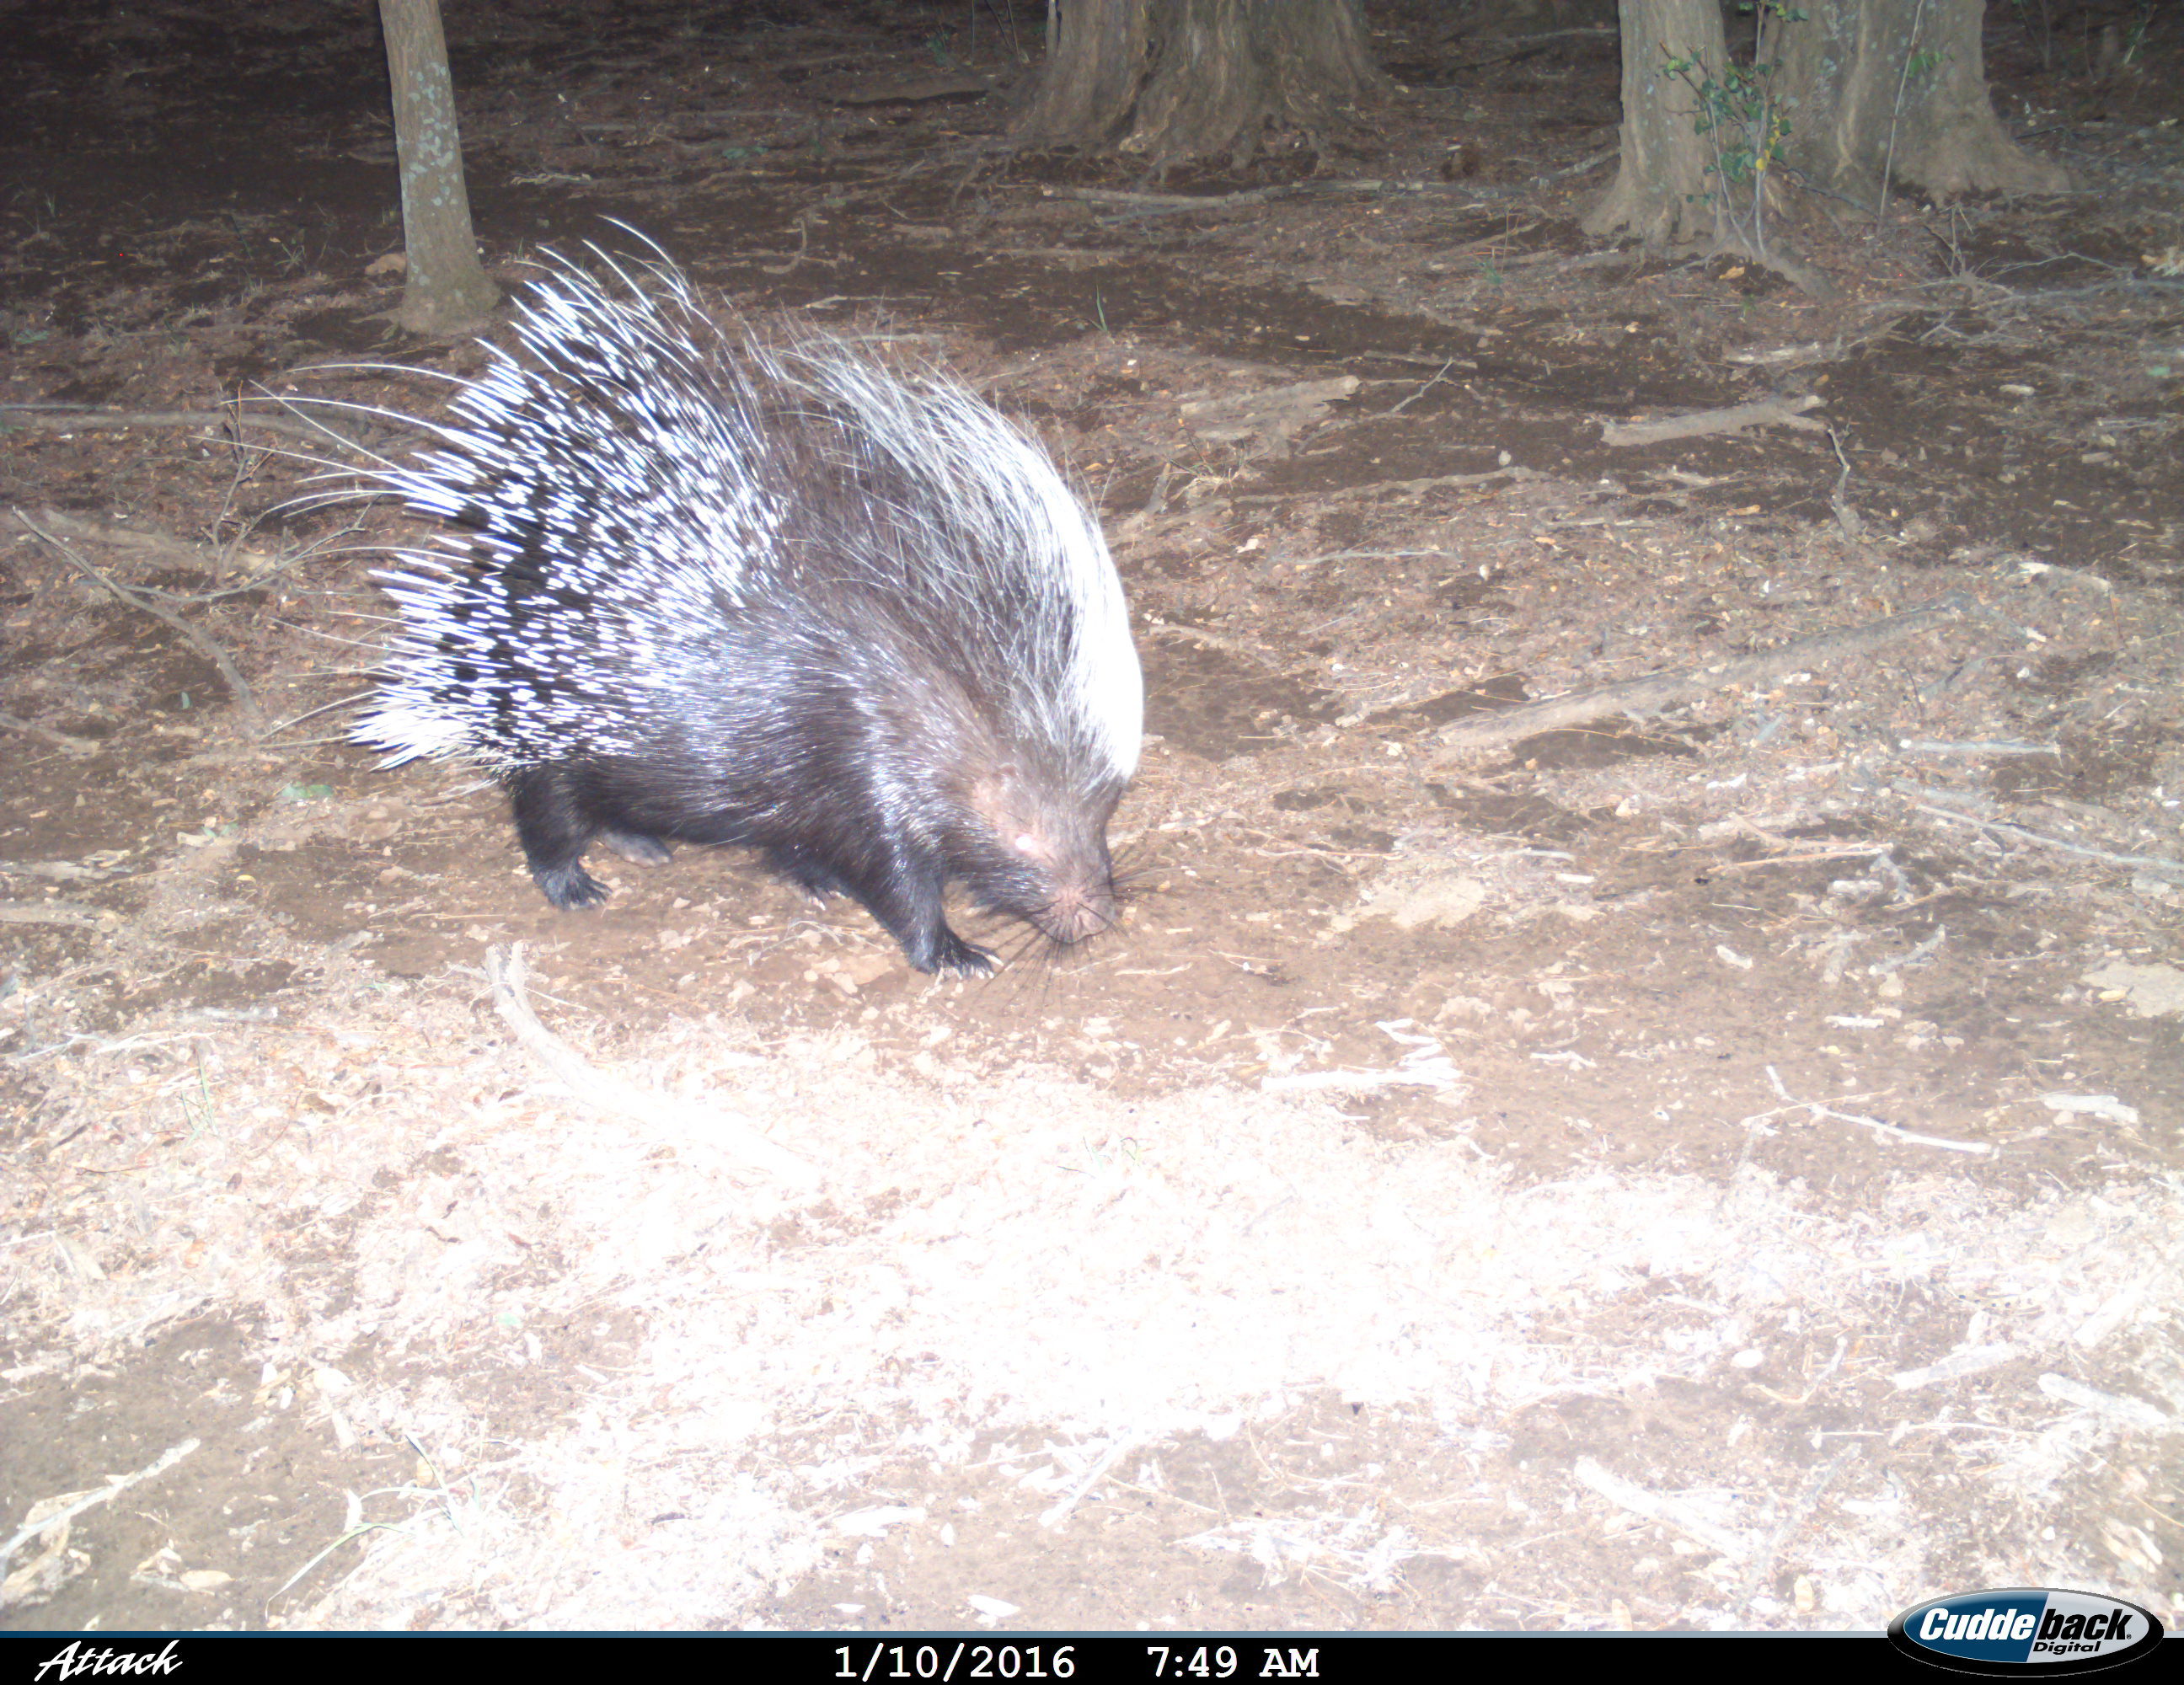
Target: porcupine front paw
{"type": "Point", "coordinates": [950, 955]}
{"type": "Point", "coordinates": [570, 887]}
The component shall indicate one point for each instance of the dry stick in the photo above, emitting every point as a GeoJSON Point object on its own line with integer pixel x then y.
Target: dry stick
{"type": "Point", "coordinates": [1650, 695]}
{"type": "Point", "coordinates": [1516, 473]}
{"type": "Point", "coordinates": [1229, 646]}
{"type": "Point", "coordinates": [158, 543]}
{"type": "Point", "coordinates": [121, 1483]}
{"type": "Point", "coordinates": [2152, 863]}
{"type": "Point", "coordinates": [1052, 1518]}
{"type": "Point", "coordinates": [1666, 1508]}
{"type": "Point", "coordinates": [67, 418]}
{"type": "Point", "coordinates": [1490, 242]}
{"type": "Point", "coordinates": [1895, 111]}
{"type": "Point", "coordinates": [1172, 204]}
{"type": "Point", "coordinates": [1910, 1137]}
{"type": "Point", "coordinates": [609, 1094]}
{"type": "Point", "coordinates": [60, 740]}
{"type": "Point", "coordinates": [47, 913]}
{"type": "Point", "coordinates": [151, 542]}
{"type": "Point", "coordinates": [1774, 411]}
{"type": "Point", "coordinates": [1846, 515]}
{"type": "Point", "coordinates": [238, 687]}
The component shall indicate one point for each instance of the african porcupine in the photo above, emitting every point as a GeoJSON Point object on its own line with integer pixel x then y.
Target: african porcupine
{"type": "Point", "coordinates": [702, 590]}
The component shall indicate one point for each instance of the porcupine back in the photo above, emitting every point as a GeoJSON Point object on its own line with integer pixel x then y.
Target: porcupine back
{"type": "Point", "coordinates": [699, 589]}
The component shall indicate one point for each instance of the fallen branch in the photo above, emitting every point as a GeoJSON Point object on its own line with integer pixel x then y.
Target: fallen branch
{"type": "Point", "coordinates": [1228, 646]}
{"type": "Point", "coordinates": [609, 1094]}
{"type": "Point", "coordinates": [1641, 696]}
{"type": "Point", "coordinates": [105, 1494]}
{"type": "Point", "coordinates": [151, 542]}
{"type": "Point", "coordinates": [1279, 412]}
{"type": "Point", "coordinates": [60, 740]}
{"type": "Point", "coordinates": [246, 700]}
{"type": "Point", "coordinates": [1768, 412]}
{"type": "Point", "coordinates": [47, 913]}
{"type": "Point", "coordinates": [1381, 488]}
{"type": "Point", "coordinates": [1909, 1138]}
{"type": "Point", "coordinates": [1666, 1508]}
{"type": "Point", "coordinates": [1489, 242]}
{"type": "Point", "coordinates": [1053, 1517]}
{"type": "Point", "coordinates": [69, 418]}
{"type": "Point", "coordinates": [2156, 865]}
{"type": "Point", "coordinates": [147, 539]}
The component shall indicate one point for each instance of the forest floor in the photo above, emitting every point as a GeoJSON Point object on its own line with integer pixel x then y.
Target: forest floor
{"type": "Point", "coordinates": [1713, 1166]}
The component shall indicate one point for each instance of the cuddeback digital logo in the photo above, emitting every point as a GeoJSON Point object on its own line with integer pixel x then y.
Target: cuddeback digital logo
{"type": "Point", "coordinates": [2026, 1630]}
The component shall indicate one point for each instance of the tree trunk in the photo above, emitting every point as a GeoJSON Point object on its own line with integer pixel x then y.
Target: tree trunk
{"type": "Point", "coordinates": [447, 289]}
{"type": "Point", "coordinates": [1661, 191]}
{"type": "Point", "coordinates": [1881, 89]}
{"type": "Point", "coordinates": [1170, 79]}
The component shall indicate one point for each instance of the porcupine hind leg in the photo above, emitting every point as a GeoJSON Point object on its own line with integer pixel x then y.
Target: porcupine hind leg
{"type": "Point", "coordinates": [636, 847]}
{"type": "Point", "coordinates": [553, 828]}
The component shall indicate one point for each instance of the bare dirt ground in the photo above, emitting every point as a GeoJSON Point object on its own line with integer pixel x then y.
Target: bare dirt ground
{"type": "Point", "coordinates": [1714, 1169]}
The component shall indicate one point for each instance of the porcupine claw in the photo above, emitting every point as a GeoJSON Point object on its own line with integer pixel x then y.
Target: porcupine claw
{"type": "Point", "coordinates": [952, 955]}
{"type": "Point", "coordinates": [570, 887]}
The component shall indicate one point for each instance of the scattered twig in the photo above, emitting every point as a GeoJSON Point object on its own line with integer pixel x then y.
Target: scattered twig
{"type": "Point", "coordinates": [238, 687]}
{"type": "Point", "coordinates": [1489, 242]}
{"type": "Point", "coordinates": [1650, 695]}
{"type": "Point", "coordinates": [47, 913]}
{"type": "Point", "coordinates": [609, 1094]}
{"type": "Point", "coordinates": [1768, 412]}
{"type": "Point", "coordinates": [1847, 519]}
{"type": "Point", "coordinates": [1157, 204]}
{"type": "Point", "coordinates": [70, 418]}
{"type": "Point", "coordinates": [1052, 1518]}
{"type": "Point", "coordinates": [1800, 856]}
{"type": "Point", "coordinates": [61, 740]}
{"type": "Point", "coordinates": [159, 544]}
{"type": "Point", "coordinates": [1134, 204]}
{"type": "Point", "coordinates": [1955, 1366]}
{"type": "Point", "coordinates": [1911, 56]}
{"type": "Point", "coordinates": [1908, 1137]}
{"type": "Point", "coordinates": [1440, 376]}
{"type": "Point", "coordinates": [2157, 865]}
{"type": "Point", "coordinates": [116, 1486]}
{"type": "Point", "coordinates": [1229, 646]}
{"type": "Point", "coordinates": [1924, 950]}
{"type": "Point", "coordinates": [165, 546]}
{"type": "Point", "coordinates": [1925, 746]}
{"type": "Point", "coordinates": [1668, 1511]}
{"type": "Point", "coordinates": [1382, 488]}
{"type": "Point", "coordinates": [1818, 1109]}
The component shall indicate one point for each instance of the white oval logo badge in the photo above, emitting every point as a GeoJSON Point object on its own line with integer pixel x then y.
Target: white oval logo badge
{"type": "Point", "coordinates": [2026, 1630]}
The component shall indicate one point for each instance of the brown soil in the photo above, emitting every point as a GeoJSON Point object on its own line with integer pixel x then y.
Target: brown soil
{"type": "Point", "coordinates": [1717, 1170]}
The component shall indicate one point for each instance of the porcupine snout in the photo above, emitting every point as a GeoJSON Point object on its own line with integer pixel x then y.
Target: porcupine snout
{"type": "Point", "coordinates": [1052, 867]}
